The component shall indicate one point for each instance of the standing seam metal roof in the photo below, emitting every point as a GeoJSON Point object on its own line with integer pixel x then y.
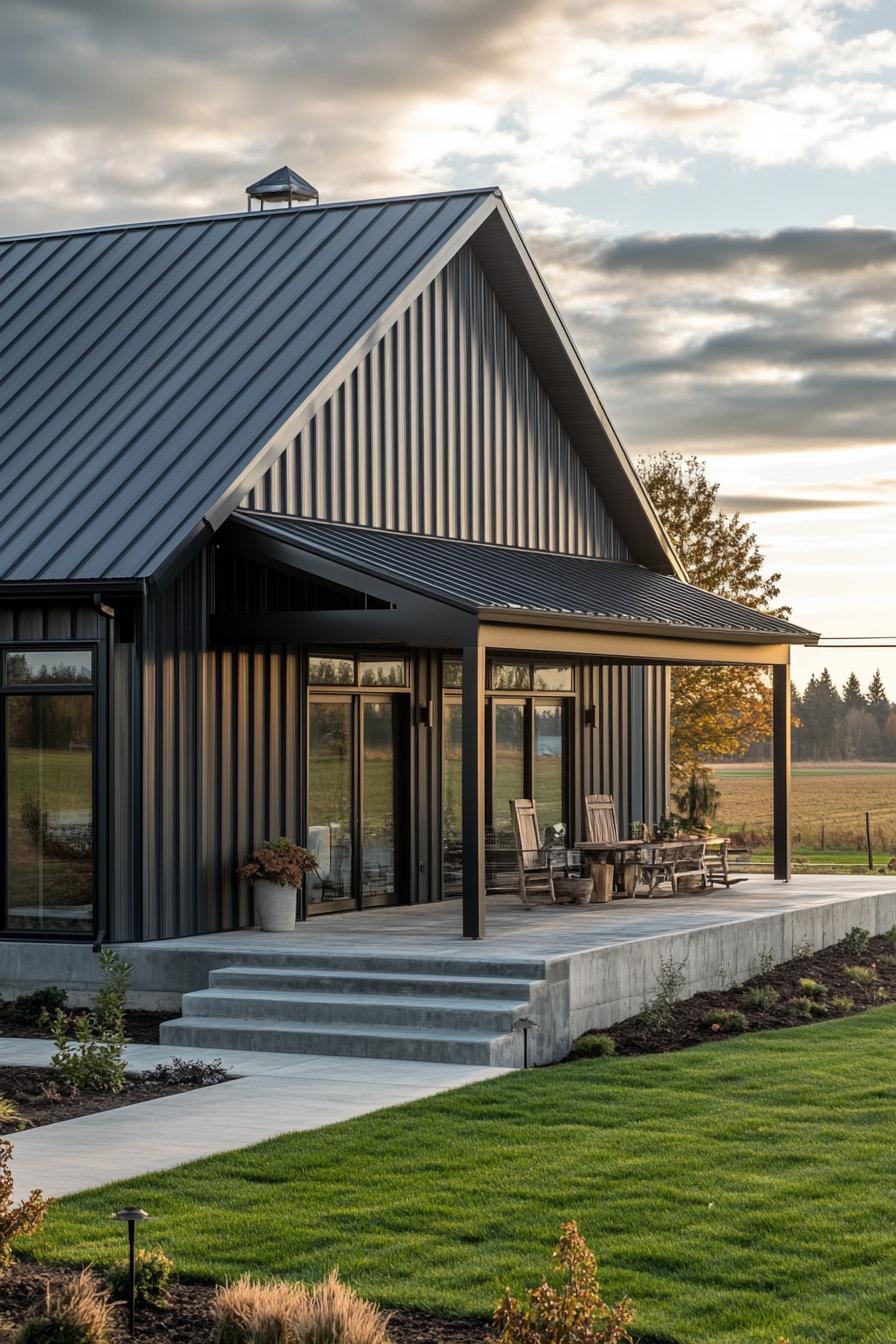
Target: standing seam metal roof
{"type": "Point", "coordinates": [145, 367]}
{"type": "Point", "coordinates": [492, 578]}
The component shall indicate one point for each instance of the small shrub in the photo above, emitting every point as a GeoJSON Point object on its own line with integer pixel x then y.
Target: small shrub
{"type": "Point", "coordinates": [856, 941]}
{"type": "Point", "coordinates": [803, 949]}
{"type": "Point", "coordinates": [88, 1063]}
{"type": "Point", "coordinates": [842, 1003]}
{"type": "Point", "coordinates": [727, 1020]}
{"type": "Point", "coordinates": [761, 996]}
{"type": "Point", "coordinates": [188, 1073]}
{"type": "Point", "coordinates": [766, 961]}
{"type": "Point", "coordinates": [813, 989]}
{"type": "Point", "coordinates": [80, 1312]}
{"type": "Point", "coordinates": [94, 1060]}
{"type": "Point", "coordinates": [16, 1220]}
{"type": "Point", "coordinates": [799, 1008]}
{"type": "Point", "coordinates": [570, 1310]}
{"type": "Point", "coordinates": [863, 976]}
{"type": "Point", "coordinates": [152, 1275]}
{"type": "Point", "coordinates": [29, 1010]}
{"type": "Point", "coordinates": [881, 994]}
{"type": "Point", "coordinates": [593, 1047]}
{"type": "Point", "coordinates": [670, 981]}
{"type": "Point", "coordinates": [887, 959]}
{"type": "Point", "coordinates": [247, 1312]}
{"type": "Point", "coordinates": [891, 934]}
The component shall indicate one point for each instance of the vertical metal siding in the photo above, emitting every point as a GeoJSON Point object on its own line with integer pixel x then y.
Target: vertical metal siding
{"type": "Point", "coordinates": [445, 429]}
{"type": "Point", "coordinates": [630, 741]}
{"type": "Point", "coordinates": [223, 761]}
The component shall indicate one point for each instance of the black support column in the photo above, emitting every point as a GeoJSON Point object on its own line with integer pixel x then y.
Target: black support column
{"type": "Point", "coordinates": [781, 768]}
{"type": "Point", "coordinates": [473, 791]}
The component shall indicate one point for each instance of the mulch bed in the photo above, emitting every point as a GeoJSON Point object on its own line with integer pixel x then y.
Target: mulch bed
{"type": "Point", "coordinates": [685, 1025]}
{"type": "Point", "coordinates": [187, 1320]}
{"type": "Point", "coordinates": [140, 1027]}
{"type": "Point", "coordinates": [26, 1088]}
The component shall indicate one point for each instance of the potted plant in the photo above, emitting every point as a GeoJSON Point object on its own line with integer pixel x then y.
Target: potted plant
{"type": "Point", "coordinates": [276, 870]}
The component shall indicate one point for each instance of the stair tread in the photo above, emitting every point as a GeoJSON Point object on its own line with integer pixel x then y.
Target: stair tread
{"type": "Point", "coordinates": [392, 977]}
{"type": "Point", "coordinates": [335, 1029]}
{"type": "Point", "coordinates": [428, 1002]}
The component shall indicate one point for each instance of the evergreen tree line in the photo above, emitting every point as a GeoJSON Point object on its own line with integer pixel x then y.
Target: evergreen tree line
{"type": "Point", "coordinates": [840, 724]}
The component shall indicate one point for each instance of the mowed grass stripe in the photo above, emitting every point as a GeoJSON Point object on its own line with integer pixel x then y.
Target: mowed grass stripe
{"type": "Point", "coordinates": [738, 1191]}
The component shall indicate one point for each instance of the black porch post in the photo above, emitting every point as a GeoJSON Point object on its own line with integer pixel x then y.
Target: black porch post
{"type": "Point", "coordinates": [473, 790]}
{"type": "Point", "coordinates": [781, 768]}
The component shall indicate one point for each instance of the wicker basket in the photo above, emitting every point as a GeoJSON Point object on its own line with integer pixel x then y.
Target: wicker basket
{"type": "Point", "coordinates": [573, 890]}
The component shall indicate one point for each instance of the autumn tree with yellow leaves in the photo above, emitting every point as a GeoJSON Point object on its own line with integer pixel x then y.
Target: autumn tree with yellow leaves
{"type": "Point", "coordinates": [716, 711]}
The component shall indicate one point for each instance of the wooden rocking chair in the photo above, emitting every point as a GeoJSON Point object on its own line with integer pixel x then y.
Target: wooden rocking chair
{"type": "Point", "coordinates": [534, 858]}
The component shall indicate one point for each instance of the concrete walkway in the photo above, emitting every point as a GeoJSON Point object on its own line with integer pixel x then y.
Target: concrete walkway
{"type": "Point", "coordinates": [271, 1094]}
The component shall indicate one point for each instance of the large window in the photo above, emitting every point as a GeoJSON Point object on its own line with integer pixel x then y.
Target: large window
{"type": "Point", "coordinates": [48, 790]}
{"type": "Point", "coordinates": [528, 719]}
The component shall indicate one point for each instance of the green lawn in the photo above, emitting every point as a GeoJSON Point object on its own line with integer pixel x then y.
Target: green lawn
{"type": "Point", "coordinates": [738, 1192]}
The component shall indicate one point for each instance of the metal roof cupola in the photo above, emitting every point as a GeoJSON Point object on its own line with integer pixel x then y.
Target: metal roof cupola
{"type": "Point", "coordinates": [281, 185]}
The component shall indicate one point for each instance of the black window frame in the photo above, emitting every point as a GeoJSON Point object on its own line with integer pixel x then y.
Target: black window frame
{"type": "Point", "coordinates": [92, 688]}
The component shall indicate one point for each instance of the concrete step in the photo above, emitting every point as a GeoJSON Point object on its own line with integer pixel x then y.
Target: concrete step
{"type": "Point", "coordinates": [371, 1042]}
{"type": "Point", "coordinates": [407, 963]}
{"type": "Point", "coordinates": [392, 984]}
{"type": "Point", "coordinates": [357, 1010]}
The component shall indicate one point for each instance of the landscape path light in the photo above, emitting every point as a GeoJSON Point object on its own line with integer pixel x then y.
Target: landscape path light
{"type": "Point", "coordinates": [525, 1025]}
{"type": "Point", "coordinates": [131, 1216]}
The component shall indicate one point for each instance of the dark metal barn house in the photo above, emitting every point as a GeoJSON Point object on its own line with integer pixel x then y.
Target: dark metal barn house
{"type": "Point", "coordinates": [312, 524]}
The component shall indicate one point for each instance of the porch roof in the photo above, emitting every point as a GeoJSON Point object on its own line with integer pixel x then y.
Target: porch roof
{"type": "Point", "coordinates": [507, 583]}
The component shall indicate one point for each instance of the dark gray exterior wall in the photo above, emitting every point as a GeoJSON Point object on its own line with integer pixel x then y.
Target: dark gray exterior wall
{"type": "Point", "coordinates": [629, 748]}
{"type": "Point", "coordinates": [445, 430]}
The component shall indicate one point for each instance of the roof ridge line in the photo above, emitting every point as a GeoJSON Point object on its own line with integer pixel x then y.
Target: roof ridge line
{"type": "Point", "coordinates": [255, 215]}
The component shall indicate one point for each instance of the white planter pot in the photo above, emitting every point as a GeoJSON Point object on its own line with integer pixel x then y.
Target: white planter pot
{"type": "Point", "coordinates": [275, 906]}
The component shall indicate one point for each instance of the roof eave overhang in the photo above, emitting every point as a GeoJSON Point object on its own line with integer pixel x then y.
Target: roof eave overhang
{"type": "Point", "coordinates": [625, 625]}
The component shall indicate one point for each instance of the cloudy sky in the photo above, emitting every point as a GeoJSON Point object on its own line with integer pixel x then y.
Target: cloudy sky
{"type": "Point", "coordinates": [708, 185]}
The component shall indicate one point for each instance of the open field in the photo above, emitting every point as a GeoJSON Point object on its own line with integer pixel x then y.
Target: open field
{"type": "Point", "coordinates": [829, 803]}
{"type": "Point", "coordinates": [739, 1191]}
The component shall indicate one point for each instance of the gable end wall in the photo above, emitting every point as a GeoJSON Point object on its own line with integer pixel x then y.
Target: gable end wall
{"type": "Point", "coordinates": [445, 430]}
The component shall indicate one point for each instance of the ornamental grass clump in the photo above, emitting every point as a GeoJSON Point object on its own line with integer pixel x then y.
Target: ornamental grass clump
{"type": "Point", "coordinates": [800, 1008]}
{"type": "Point", "coordinates": [570, 1311]}
{"type": "Point", "coordinates": [280, 861]}
{"type": "Point", "coordinates": [80, 1312]}
{"type": "Point", "coordinates": [812, 989]}
{"type": "Point", "coordinates": [249, 1312]}
{"type": "Point", "coordinates": [761, 996]}
{"type": "Point", "coordinates": [725, 1020]}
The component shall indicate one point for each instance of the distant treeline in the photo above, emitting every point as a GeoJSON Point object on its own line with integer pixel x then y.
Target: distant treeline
{"type": "Point", "coordinates": [840, 724]}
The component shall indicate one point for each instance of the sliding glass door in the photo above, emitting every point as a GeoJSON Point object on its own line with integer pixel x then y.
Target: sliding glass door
{"type": "Point", "coordinates": [356, 800]}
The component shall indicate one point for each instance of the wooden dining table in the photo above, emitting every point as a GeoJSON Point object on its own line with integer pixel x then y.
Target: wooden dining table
{"type": "Point", "coordinates": [601, 853]}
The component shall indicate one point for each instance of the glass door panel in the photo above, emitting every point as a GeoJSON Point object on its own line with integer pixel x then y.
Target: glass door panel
{"type": "Point", "coordinates": [452, 802]}
{"type": "Point", "coordinates": [49, 813]}
{"type": "Point", "coordinates": [330, 819]}
{"type": "Point", "coordinates": [378, 802]}
{"type": "Point", "coordinates": [509, 766]}
{"type": "Point", "coordinates": [550, 763]}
